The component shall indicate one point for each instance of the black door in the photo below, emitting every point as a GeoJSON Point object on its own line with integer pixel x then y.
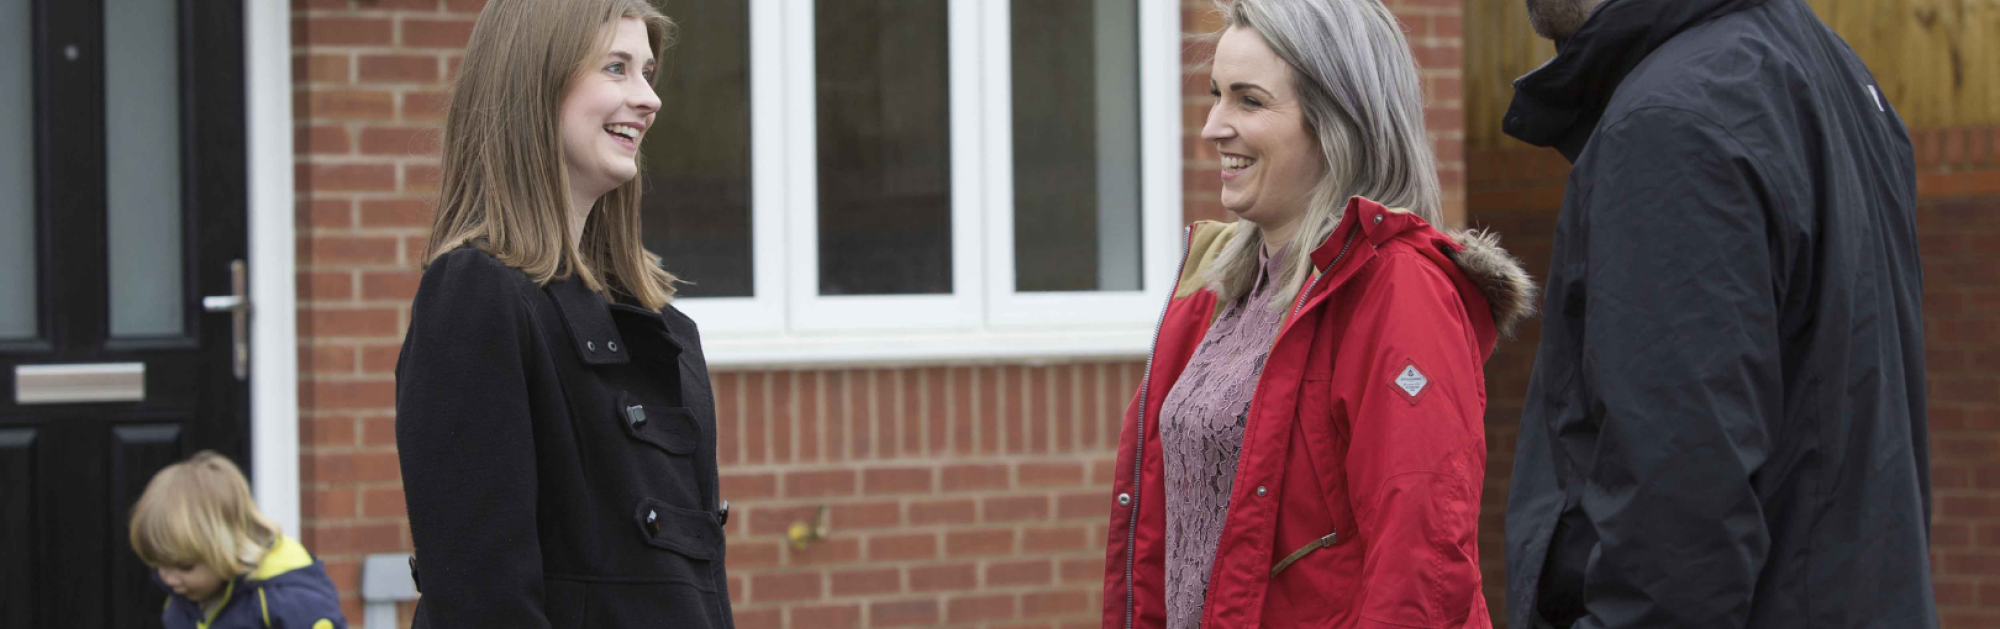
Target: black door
{"type": "Point", "coordinates": [121, 207]}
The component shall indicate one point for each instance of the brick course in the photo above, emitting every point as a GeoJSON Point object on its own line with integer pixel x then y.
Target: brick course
{"type": "Point", "coordinates": [363, 206]}
{"type": "Point", "coordinates": [1958, 226]}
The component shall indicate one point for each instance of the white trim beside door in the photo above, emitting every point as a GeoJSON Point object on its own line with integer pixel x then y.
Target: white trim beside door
{"type": "Point", "coordinates": [274, 362]}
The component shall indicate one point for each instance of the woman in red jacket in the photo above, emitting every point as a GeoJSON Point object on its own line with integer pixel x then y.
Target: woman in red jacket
{"type": "Point", "coordinates": [1307, 447]}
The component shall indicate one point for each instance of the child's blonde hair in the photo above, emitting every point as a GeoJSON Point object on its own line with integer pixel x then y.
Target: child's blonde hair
{"type": "Point", "coordinates": [199, 512]}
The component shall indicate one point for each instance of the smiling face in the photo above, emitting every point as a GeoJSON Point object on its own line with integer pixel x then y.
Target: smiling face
{"type": "Point", "coordinates": [607, 112]}
{"type": "Point", "coordinates": [1270, 159]}
{"type": "Point", "coordinates": [198, 583]}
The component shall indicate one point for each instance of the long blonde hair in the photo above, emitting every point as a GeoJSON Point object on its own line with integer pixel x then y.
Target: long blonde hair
{"type": "Point", "coordinates": [503, 187]}
{"type": "Point", "coordinates": [199, 512]}
{"type": "Point", "coordinates": [1358, 85]}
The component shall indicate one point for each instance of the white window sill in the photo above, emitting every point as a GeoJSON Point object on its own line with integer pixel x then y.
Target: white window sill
{"type": "Point", "coordinates": [739, 352]}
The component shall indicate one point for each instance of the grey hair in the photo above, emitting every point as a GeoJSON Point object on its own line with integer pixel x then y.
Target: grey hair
{"type": "Point", "coordinates": [1358, 87]}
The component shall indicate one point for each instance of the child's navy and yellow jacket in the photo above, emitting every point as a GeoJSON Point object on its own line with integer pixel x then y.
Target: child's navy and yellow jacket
{"type": "Point", "coordinates": [288, 590]}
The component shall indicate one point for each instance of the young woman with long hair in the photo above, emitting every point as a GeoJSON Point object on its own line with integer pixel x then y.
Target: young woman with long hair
{"type": "Point", "coordinates": [555, 420]}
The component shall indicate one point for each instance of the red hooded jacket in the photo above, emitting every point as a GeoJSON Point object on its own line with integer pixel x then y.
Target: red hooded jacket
{"type": "Point", "coordinates": [1364, 451]}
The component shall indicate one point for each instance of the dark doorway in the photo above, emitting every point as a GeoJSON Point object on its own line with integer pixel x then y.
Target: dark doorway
{"type": "Point", "coordinates": [122, 200]}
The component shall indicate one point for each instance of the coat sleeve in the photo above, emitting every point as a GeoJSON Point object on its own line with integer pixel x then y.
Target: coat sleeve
{"type": "Point", "coordinates": [1680, 371]}
{"type": "Point", "coordinates": [1416, 453]}
{"type": "Point", "coordinates": [466, 441]}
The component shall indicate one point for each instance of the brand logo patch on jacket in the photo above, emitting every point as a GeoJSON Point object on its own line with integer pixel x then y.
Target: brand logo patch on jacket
{"type": "Point", "coordinates": [1411, 382]}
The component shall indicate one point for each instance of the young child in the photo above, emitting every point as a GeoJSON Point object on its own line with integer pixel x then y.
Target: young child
{"type": "Point", "coordinates": [228, 566]}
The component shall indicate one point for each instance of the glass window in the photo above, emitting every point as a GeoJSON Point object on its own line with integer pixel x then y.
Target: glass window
{"type": "Point", "coordinates": [697, 154]}
{"type": "Point", "coordinates": [17, 172]}
{"type": "Point", "coordinates": [884, 147]}
{"type": "Point", "coordinates": [1076, 145]}
{"type": "Point", "coordinates": [143, 166]}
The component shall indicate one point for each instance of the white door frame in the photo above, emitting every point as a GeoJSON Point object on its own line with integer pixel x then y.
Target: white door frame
{"type": "Point", "coordinates": [274, 362]}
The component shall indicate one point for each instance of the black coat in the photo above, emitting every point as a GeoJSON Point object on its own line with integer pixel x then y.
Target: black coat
{"type": "Point", "coordinates": [558, 456]}
{"type": "Point", "coordinates": [1725, 426]}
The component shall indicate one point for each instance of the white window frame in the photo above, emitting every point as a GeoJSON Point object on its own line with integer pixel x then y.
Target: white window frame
{"type": "Point", "coordinates": [788, 323]}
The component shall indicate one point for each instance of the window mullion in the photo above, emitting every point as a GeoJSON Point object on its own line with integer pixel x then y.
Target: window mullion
{"type": "Point", "coordinates": [799, 154]}
{"type": "Point", "coordinates": [769, 137]}
{"type": "Point", "coordinates": [970, 22]}
{"type": "Point", "coordinates": [997, 84]}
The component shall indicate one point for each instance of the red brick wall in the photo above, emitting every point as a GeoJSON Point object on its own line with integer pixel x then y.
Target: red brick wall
{"type": "Point", "coordinates": [1517, 191]}
{"type": "Point", "coordinates": [368, 92]}
{"type": "Point", "coordinates": [1959, 226]}
{"type": "Point", "coordinates": [962, 496]}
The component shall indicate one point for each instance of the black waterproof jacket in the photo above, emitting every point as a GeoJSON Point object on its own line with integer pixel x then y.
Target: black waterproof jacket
{"type": "Point", "coordinates": [558, 456]}
{"type": "Point", "coordinates": [1725, 426]}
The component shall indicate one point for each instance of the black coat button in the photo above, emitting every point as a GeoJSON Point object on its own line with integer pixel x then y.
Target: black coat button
{"type": "Point", "coordinates": [636, 416]}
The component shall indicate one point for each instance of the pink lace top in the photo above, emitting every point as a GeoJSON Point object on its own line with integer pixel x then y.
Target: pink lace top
{"type": "Point", "coordinates": [1201, 435]}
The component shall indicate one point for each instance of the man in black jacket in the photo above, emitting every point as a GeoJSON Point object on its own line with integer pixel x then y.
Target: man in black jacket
{"type": "Point", "coordinates": [1725, 427]}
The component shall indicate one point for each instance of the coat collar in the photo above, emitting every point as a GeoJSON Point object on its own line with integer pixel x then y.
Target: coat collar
{"type": "Point", "coordinates": [285, 556]}
{"type": "Point", "coordinates": [1345, 248]}
{"type": "Point", "coordinates": [1559, 103]}
{"type": "Point", "coordinates": [1473, 259]}
{"type": "Point", "coordinates": [585, 314]}
{"type": "Point", "coordinates": [655, 322]}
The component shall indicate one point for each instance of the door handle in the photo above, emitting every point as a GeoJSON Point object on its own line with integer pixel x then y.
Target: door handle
{"type": "Point", "coordinates": [237, 304]}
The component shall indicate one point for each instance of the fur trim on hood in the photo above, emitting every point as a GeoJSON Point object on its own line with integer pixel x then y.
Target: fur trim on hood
{"type": "Point", "coordinates": [1498, 274]}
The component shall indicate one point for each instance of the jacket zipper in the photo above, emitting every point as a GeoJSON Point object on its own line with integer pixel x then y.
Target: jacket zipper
{"type": "Point", "coordinates": [1139, 438]}
{"type": "Point", "coordinates": [1329, 539]}
{"type": "Point", "coordinates": [1329, 269]}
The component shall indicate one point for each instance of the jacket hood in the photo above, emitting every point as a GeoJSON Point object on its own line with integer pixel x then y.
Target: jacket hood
{"type": "Point", "coordinates": [1498, 275]}
{"type": "Point", "coordinates": [285, 557]}
{"type": "Point", "coordinates": [1558, 104]}
{"type": "Point", "coordinates": [1477, 255]}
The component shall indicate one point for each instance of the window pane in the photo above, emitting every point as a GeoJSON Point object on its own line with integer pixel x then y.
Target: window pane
{"type": "Point", "coordinates": [697, 154]}
{"type": "Point", "coordinates": [1076, 145]}
{"type": "Point", "coordinates": [143, 165]}
{"type": "Point", "coordinates": [17, 173]}
{"type": "Point", "coordinates": [884, 147]}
